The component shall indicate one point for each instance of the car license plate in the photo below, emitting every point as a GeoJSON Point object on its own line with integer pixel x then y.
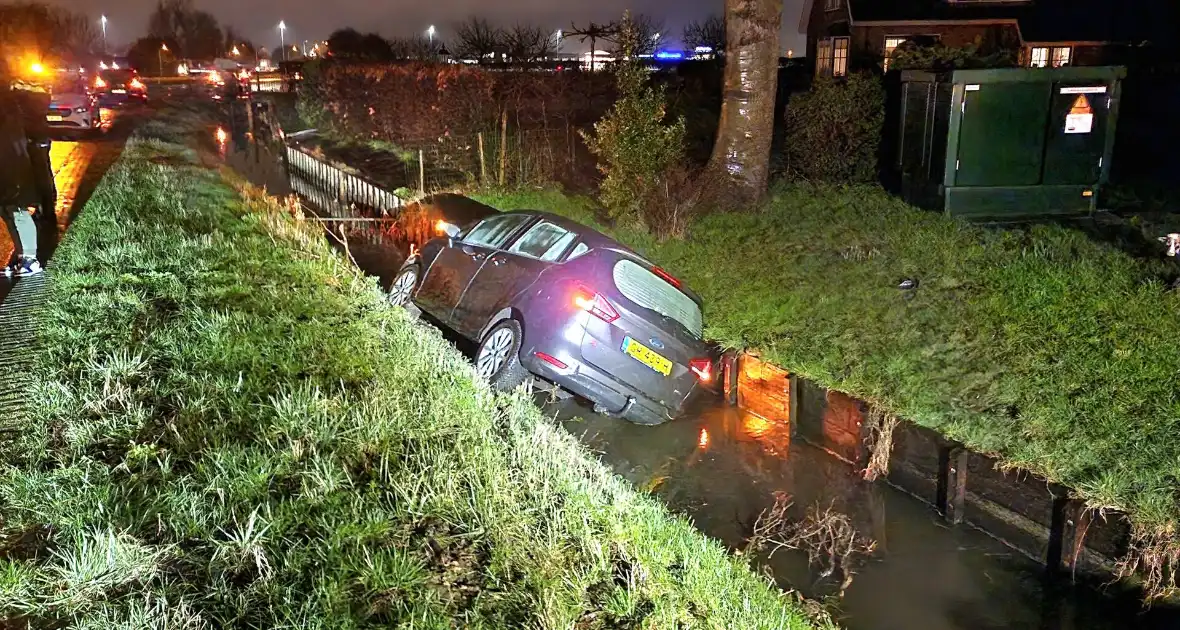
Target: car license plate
{"type": "Point", "coordinates": [118, 91]}
{"type": "Point", "coordinates": [52, 118]}
{"type": "Point", "coordinates": [647, 356]}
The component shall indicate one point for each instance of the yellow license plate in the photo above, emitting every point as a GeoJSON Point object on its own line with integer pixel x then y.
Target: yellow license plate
{"type": "Point", "coordinates": [647, 356]}
{"type": "Point", "coordinates": [54, 118]}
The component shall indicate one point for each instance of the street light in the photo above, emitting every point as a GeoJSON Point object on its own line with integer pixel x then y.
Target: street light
{"type": "Point", "coordinates": [104, 34]}
{"type": "Point", "coordinates": [430, 34]}
{"type": "Point", "coordinates": [160, 55]}
{"type": "Point", "coordinates": [235, 52]}
{"type": "Point", "coordinates": [283, 38]}
{"type": "Point", "coordinates": [560, 41]}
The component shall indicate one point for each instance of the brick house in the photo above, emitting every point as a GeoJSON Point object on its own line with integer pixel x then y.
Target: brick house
{"type": "Point", "coordinates": [844, 35]}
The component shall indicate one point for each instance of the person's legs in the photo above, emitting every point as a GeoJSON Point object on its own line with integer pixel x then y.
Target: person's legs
{"type": "Point", "coordinates": [7, 213]}
{"type": "Point", "coordinates": [26, 229]}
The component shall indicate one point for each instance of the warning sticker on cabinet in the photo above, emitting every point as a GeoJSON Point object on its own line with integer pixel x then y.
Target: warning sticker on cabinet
{"type": "Point", "coordinates": [1081, 116]}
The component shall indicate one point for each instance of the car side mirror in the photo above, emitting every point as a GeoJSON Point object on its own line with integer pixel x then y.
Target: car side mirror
{"type": "Point", "coordinates": [450, 229]}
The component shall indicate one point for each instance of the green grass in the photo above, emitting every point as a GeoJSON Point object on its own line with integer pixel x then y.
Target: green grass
{"type": "Point", "coordinates": [232, 429]}
{"type": "Point", "coordinates": [1056, 353]}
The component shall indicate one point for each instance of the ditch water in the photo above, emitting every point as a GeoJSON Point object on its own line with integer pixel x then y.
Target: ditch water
{"type": "Point", "coordinates": [722, 466]}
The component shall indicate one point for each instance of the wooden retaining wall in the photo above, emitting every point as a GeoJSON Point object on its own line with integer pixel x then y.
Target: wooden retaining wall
{"type": "Point", "coordinates": [1026, 512]}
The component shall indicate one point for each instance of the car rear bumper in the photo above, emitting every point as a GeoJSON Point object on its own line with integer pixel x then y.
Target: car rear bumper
{"type": "Point", "coordinates": [611, 396]}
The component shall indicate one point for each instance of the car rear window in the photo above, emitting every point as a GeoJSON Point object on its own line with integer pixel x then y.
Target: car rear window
{"type": "Point", "coordinates": [640, 285]}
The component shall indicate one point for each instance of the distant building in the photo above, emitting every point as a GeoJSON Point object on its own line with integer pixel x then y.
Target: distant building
{"type": "Point", "coordinates": [845, 35]}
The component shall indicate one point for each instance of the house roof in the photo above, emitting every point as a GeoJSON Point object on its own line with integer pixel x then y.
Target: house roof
{"type": "Point", "coordinates": [1039, 20]}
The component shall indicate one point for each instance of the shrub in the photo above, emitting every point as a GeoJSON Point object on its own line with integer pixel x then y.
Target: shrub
{"type": "Point", "coordinates": [633, 145]}
{"type": "Point", "coordinates": [834, 130]}
{"type": "Point", "coordinates": [941, 57]}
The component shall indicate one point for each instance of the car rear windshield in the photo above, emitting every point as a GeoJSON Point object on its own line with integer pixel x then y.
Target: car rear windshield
{"type": "Point", "coordinates": [116, 76]}
{"type": "Point", "coordinates": [638, 284]}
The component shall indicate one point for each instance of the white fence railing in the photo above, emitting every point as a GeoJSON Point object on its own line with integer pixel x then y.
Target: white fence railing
{"type": "Point", "coordinates": [327, 181]}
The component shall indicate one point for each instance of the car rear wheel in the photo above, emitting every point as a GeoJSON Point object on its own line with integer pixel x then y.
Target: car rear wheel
{"type": "Point", "coordinates": [403, 285]}
{"type": "Point", "coordinates": [498, 359]}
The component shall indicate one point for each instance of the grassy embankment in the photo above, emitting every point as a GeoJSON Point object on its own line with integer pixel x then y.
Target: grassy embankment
{"type": "Point", "coordinates": [1056, 353]}
{"type": "Point", "coordinates": [232, 429]}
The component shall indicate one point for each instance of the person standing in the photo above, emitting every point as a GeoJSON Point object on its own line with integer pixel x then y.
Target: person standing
{"type": "Point", "coordinates": [34, 102]}
{"type": "Point", "coordinates": [18, 189]}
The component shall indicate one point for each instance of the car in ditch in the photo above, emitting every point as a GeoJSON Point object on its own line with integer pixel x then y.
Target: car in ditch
{"type": "Point", "coordinates": [548, 297]}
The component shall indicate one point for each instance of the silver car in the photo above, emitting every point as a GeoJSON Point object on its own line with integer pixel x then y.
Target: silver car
{"type": "Point", "coordinates": [548, 297]}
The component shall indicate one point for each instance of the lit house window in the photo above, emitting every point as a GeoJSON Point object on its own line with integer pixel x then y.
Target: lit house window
{"type": "Point", "coordinates": [831, 57]}
{"type": "Point", "coordinates": [1039, 58]}
{"type": "Point", "coordinates": [840, 57]}
{"type": "Point", "coordinates": [891, 44]}
{"type": "Point", "coordinates": [823, 57]}
{"type": "Point", "coordinates": [1060, 56]}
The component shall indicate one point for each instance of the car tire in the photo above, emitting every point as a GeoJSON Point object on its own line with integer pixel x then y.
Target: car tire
{"type": "Point", "coordinates": [498, 357]}
{"type": "Point", "coordinates": [403, 285]}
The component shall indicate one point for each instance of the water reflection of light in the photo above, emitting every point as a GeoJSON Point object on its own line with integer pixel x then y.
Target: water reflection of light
{"type": "Point", "coordinates": [703, 442]}
{"type": "Point", "coordinates": [756, 426]}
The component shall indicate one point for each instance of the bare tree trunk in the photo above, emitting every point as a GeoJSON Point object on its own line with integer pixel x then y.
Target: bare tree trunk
{"type": "Point", "coordinates": [742, 153]}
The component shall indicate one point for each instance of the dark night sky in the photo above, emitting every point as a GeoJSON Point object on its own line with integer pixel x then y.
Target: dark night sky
{"type": "Point", "coordinates": [315, 19]}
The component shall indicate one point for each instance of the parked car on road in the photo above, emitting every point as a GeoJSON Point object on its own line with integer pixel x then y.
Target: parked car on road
{"type": "Point", "coordinates": [118, 86]}
{"type": "Point", "coordinates": [73, 105]}
{"type": "Point", "coordinates": [546, 296]}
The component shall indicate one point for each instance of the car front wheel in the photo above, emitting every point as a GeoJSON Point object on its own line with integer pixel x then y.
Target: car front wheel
{"type": "Point", "coordinates": [498, 359]}
{"type": "Point", "coordinates": [403, 285]}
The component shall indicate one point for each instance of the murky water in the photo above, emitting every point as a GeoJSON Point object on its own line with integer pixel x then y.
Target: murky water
{"type": "Point", "coordinates": [722, 467]}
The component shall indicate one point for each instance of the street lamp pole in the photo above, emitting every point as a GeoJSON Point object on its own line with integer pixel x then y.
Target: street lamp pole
{"type": "Point", "coordinates": [430, 34]}
{"type": "Point", "coordinates": [160, 55]}
{"type": "Point", "coordinates": [104, 34]}
{"type": "Point", "coordinates": [283, 38]}
{"type": "Point", "coordinates": [560, 41]}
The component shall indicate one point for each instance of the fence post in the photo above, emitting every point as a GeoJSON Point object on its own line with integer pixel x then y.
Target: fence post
{"type": "Point", "coordinates": [503, 145]}
{"type": "Point", "coordinates": [952, 482]}
{"type": "Point", "coordinates": [483, 165]}
{"type": "Point", "coordinates": [422, 171]}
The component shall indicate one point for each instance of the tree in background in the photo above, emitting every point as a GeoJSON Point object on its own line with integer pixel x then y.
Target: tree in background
{"type": "Point", "coordinates": [196, 33]}
{"type": "Point", "coordinates": [147, 54]}
{"type": "Point", "coordinates": [648, 33]}
{"type": "Point", "coordinates": [233, 39]}
{"type": "Point", "coordinates": [708, 34]}
{"type": "Point", "coordinates": [351, 44]}
{"type": "Point", "coordinates": [634, 146]}
{"type": "Point", "coordinates": [477, 39]}
{"type": "Point", "coordinates": [526, 44]}
{"type": "Point", "coordinates": [741, 155]}
{"type": "Point", "coordinates": [595, 33]}
{"type": "Point", "coordinates": [410, 48]}
{"type": "Point", "coordinates": [30, 28]}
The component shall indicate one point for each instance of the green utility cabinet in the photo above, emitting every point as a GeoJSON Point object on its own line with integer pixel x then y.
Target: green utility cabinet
{"type": "Point", "coordinates": [1010, 143]}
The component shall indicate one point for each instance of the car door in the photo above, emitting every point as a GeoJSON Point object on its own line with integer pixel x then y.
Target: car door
{"type": "Point", "coordinates": [508, 271]}
{"type": "Point", "coordinates": [444, 283]}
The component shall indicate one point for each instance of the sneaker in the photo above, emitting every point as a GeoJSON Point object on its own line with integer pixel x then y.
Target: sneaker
{"type": "Point", "coordinates": [27, 267]}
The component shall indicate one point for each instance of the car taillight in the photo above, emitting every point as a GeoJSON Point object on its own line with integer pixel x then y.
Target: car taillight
{"type": "Point", "coordinates": [703, 368]}
{"type": "Point", "coordinates": [669, 278]}
{"type": "Point", "coordinates": [99, 83]}
{"type": "Point", "coordinates": [593, 303]}
{"type": "Point", "coordinates": [136, 84]}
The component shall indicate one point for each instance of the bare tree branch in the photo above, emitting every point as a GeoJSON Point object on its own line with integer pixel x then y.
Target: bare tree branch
{"type": "Point", "coordinates": [477, 39]}
{"type": "Point", "coordinates": [527, 44]}
{"type": "Point", "coordinates": [710, 34]}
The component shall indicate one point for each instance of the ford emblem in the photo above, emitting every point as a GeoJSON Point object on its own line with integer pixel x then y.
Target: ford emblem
{"type": "Point", "coordinates": [656, 343]}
